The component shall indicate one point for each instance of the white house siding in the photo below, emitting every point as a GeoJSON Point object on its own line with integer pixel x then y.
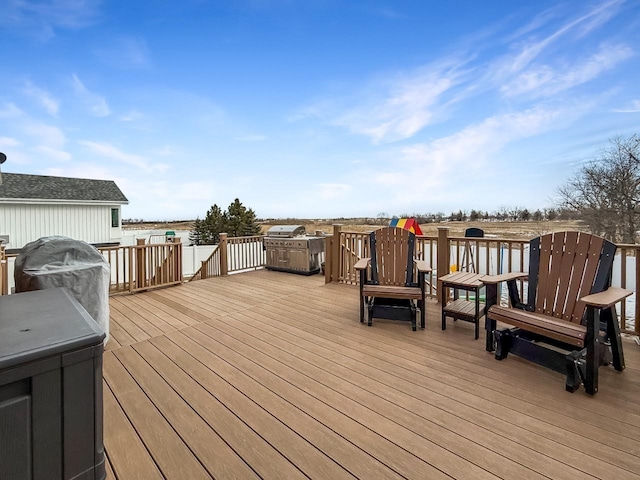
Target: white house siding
{"type": "Point", "coordinates": [25, 223]}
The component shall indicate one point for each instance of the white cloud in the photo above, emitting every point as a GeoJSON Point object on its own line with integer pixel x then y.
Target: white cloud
{"type": "Point", "coordinates": [109, 151]}
{"type": "Point", "coordinates": [600, 15]}
{"type": "Point", "coordinates": [131, 116]}
{"type": "Point", "coordinates": [585, 23]}
{"type": "Point", "coordinates": [396, 109]}
{"type": "Point", "coordinates": [529, 81]}
{"type": "Point", "coordinates": [96, 104]}
{"type": "Point", "coordinates": [545, 81]}
{"type": "Point", "coordinates": [54, 153]}
{"type": "Point", "coordinates": [432, 165]}
{"type": "Point", "coordinates": [632, 107]}
{"type": "Point", "coordinates": [541, 61]}
{"type": "Point", "coordinates": [43, 97]}
{"type": "Point", "coordinates": [86, 170]}
{"type": "Point", "coordinates": [166, 151]}
{"type": "Point", "coordinates": [41, 19]}
{"type": "Point", "coordinates": [47, 135]}
{"type": "Point", "coordinates": [44, 139]}
{"type": "Point", "coordinates": [9, 110]}
{"type": "Point", "coordinates": [125, 52]}
{"type": "Point", "coordinates": [9, 142]}
{"type": "Point", "coordinates": [251, 138]}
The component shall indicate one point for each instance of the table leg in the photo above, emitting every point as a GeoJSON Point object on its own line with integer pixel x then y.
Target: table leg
{"type": "Point", "coordinates": [477, 317]}
{"type": "Point", "coordinates": [443, 303]}
{"type": "Point", "coordinates": [490, 325]}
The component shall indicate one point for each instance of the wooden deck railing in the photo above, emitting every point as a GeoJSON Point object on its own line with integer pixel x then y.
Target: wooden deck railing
{"type": "Point", "coordinates": [133, 268]}
{"type": "Point", "coordinates": [209, 267]}
{"type": "Point", "coordinates": [245, 253]}
{"type": "Point", "coordinates": [482, 255]}
{"type": "Point", "coordinates": [233, 254]}
{"type": "Point", "coordinates": [144, 266]}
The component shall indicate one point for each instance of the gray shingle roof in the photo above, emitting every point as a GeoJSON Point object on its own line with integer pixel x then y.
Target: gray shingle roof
{"type": "Point", "coordinates": [42, 187]}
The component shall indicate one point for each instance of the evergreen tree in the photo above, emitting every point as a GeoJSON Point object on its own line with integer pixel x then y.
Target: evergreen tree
{"type": "Point", "coordinates": [195, 235]}
{"type": "Point", "coordinates": [215, 224]}
{"type": "Point", "coordinates": [236, 221]}
{"type": "Point", "coordinates": [241, 221]}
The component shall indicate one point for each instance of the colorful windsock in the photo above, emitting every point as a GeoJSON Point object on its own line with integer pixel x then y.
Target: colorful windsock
{"type": "Point", "coordinates": [407, 223]}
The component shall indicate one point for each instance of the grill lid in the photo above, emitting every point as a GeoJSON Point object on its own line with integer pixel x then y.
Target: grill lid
{"type": "Point", "coordinates": [286, 231]}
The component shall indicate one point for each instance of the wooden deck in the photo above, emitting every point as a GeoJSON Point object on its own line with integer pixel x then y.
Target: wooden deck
{"type": "Point", "coordinates": [271, 375]}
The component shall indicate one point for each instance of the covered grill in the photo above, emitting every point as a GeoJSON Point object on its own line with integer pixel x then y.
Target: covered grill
{"type": "Point", "coordinates": [290, 249]}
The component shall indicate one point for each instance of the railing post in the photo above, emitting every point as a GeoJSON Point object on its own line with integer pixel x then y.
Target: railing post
{"type": "Point", "coordinates": [328, 256]}
{"type": "Point", "coordinates": [443, 253]}
{"type": "Point", "coordinates": [335, 253]}
{"type": "Point", "coordinates": [177, 242]}
{"type": "Point", "coordinates": [141, 263]}
{"type": "Point", "coordinates": [224, 267]}
{"type": "Point", "coordinates": [203, 270]}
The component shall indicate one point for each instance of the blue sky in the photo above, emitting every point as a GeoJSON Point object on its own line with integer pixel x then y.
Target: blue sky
{"type": "Point", "coordinates": [317, 108]}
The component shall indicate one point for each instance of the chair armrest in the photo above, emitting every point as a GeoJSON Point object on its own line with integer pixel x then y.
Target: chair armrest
{"type": "Point", "coordinates": [422, 266]}
{"type": "Point", "coordinates": [607, 298]}
{"type": "Point", "coordinates": [504, 277]}
{"type": "Point", "coordinates": [362, 264]}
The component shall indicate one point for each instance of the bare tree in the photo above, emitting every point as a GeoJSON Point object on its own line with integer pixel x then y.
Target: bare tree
{"type": "Point", "coordinates": [383, 218]}
{"type": "Point", "coordinates": [605, 193]}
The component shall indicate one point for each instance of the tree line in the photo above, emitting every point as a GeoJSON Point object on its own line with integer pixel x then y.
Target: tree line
{"type": "Point", "coordinates": [504, 214]}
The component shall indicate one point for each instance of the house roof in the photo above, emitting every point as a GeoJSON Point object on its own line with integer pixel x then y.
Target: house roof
{"type": "Point", "coordinates": [43, 187]}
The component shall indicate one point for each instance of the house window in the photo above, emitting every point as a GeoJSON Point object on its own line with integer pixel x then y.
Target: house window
{"type": "Point", "coordinates": [115, 218]}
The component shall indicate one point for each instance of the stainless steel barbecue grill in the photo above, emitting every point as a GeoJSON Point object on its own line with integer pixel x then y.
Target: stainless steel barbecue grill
{"type": "Point", "coordinates": [290, 249]}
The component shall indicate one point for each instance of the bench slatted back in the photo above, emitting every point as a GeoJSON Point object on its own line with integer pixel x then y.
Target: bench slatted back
{"type": "Point", "coordinates": [565, 266]}
{"type": "Point", "coordinates": [392, 253]}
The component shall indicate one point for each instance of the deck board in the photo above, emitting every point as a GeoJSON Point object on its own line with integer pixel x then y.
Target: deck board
{"type": "Point", "coordinates": [271, 375]}
{"type": "Point", "coordinates": [423, 405]}
{"type": "Point", "coordinates": [211, 449]}
{"type": "Point", "coordinates": [127, 453]}
{"type": "Point", "coordinates": [504, 427]}
{"type": "Point", "coordinates": [439, 349]}
{"type": "Point", "coordinates": [167, 449]}
{"type": "Point", "coordinates": [306, 426]}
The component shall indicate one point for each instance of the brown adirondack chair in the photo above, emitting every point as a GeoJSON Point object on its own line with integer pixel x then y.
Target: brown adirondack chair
{"type": "Point", "coordinates": [569, 295]}
{"type": "Point", "coordinates": [387, 280]}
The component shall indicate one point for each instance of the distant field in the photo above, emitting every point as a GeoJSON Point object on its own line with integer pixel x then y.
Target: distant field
{"type": "Point", "coordinates": [516, 230]}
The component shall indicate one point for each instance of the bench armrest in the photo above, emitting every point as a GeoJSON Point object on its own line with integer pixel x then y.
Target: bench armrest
{"type": "Point", "coordinates": [362, 264]}
{"type": "Point", "coordinates": [504, 277]}
{"type": "Point", "coordinates": [607, 298]}
{"type": "Point", "coordinates": [422, 266]}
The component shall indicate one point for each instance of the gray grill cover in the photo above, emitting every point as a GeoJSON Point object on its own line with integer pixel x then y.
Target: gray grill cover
{"type": "Point", "coordinates": [51, 262]}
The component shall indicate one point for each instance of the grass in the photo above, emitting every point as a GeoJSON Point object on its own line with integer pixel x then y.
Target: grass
{"type": "Point", "coordinates": [501, 229]}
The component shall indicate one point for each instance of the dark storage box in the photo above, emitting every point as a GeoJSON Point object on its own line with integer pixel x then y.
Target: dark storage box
{"type": "Point", "coordinates": [50, 388]}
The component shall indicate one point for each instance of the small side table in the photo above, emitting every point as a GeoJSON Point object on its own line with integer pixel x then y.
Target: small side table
{"type": "Point", "coordinates": [460, 309]}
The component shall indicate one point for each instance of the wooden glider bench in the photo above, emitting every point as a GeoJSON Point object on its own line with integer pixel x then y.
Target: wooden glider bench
{"type": "Point", "coordinates": [569, 322]}
{"type": "Point", "coordinates": [390, 292]}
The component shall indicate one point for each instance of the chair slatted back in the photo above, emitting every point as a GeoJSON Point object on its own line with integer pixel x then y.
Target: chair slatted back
{"type": "Point", "coordinates": [564, 267]}
{"type": "Point", "coordinates": [392, 253]}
